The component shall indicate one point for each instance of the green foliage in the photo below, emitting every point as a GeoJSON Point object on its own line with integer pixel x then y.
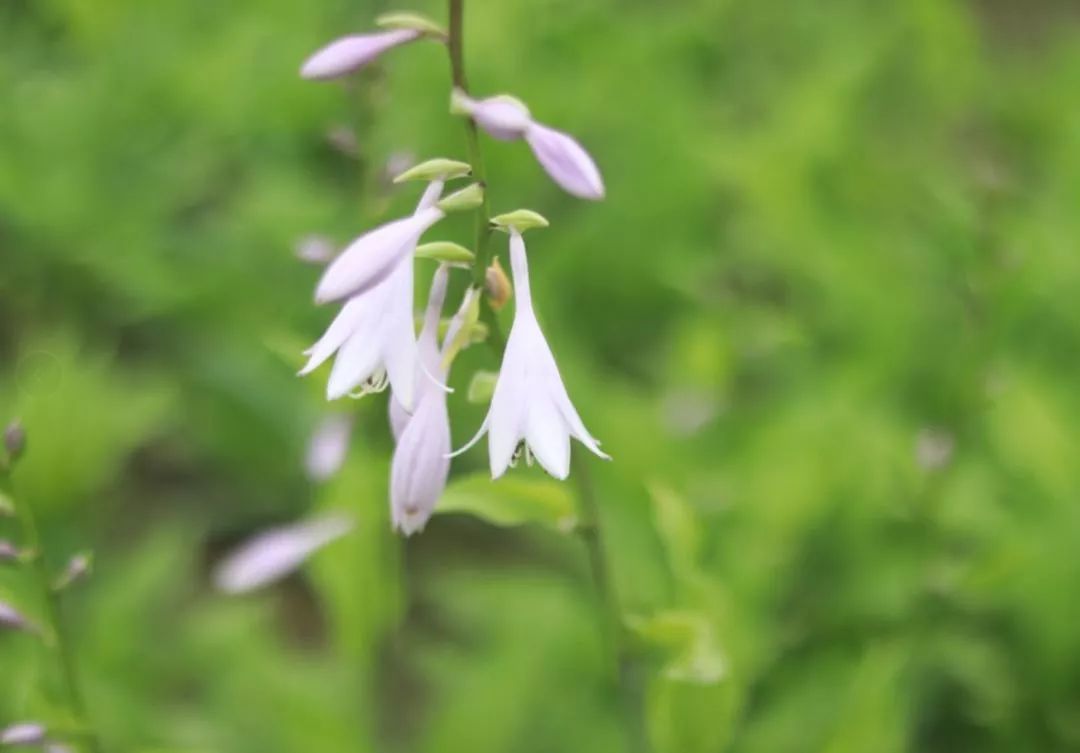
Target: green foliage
{"type": "Point", "coordinates": [825, 323]}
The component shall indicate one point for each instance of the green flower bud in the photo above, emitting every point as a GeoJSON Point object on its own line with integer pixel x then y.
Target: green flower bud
{"type": "Point", "coordinates": [520, 220]}
{"type": "Point", "coordinates": [439, 168]}
{"type": "Point", "coordinates": [452, 253]}
{"type": "Point", "coordinates": [467, 198]}
{"type": "Point", "coordinates": [414, 21]}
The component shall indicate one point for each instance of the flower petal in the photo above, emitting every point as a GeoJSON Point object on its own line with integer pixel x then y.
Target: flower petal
{"type": "Point", "coordinates": [547, 436]}
{"type": "Point", "coordinates": [272, 555]}
{"type": "Point", "coordinates": [566, 161]}
{"type": "Point", "coordinates": [358, 360]}
{"type": "Point", "coordinates": [398, 337]}
{"type": "Point", "coordinates": [345, 55]}
{"type": "Point", "coordinates": [344, 324]}
{"type": "Point", "coordinates": [509, 404]}
{"type": "Point", "coordinates": [372, 257]}
{"type": "Point", "coordinates": [421, 464]}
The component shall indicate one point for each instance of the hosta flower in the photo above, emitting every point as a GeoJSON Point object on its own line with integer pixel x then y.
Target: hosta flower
{"type": "Point", "coordinates": [28, 734]}
{"type": "Point", "coordinates": [421, 461]}
{"type": "Point", "coordinates": [343, 56]}
{"type": "Point", "coordinates": [564, 159]}
{"type": "Point", "coordinates": [274, 554]}
{"type": "Point", "coordinates": [530, 411]}
{"type": "Point", "coordinates": [373, 334]}
{"type": "Point", "coordinates": [327, 448]}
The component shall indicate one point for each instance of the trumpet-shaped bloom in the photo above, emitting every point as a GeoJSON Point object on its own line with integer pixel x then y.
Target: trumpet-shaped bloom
{"type": "Point", "coordinates": [530, 406]}
{"type": "Point", "coordinates": [272, 555]}
{"type": "Point", "coordinates": [348, 54]}
{"type": "Point", "coordinates": [421, 461]}
{"type": "Point", "coordinates": [373, 334]}
{"type": "Point", "coordinates": [561, 156]}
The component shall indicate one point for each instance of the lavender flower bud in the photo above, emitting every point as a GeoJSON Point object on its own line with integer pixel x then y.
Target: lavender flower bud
{"type": "Point", "coordinates": [348, 54]}
{"type": "Point", "coordinates": [23, 734]}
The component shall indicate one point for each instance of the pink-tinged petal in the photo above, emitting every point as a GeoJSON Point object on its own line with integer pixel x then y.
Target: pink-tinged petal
{"type": "Point", "coordinates": [566, 161]}
{"type": "Point", "coordinates": [372, 257]}
{"type": "Point", "coordinates": [345, 323]}
{"type": "Point", "coordinates": [343, 56]}
{"type": "Point", "coordinates": [547, 437]}
{"type": "Point", "coordinates": [328, 447]}
{"type": "Point", "coordinates": [502, 117]}
{"type": "Point", "coordinates": [421, 464]}
{"type": "Point", "coordinates": [274, 554]}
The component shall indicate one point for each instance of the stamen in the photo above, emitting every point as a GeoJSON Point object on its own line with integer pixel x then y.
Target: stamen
{"type": "Point", "coordinates": [377, 382]}
{"type": "Point", "coordinates": [521, 449]}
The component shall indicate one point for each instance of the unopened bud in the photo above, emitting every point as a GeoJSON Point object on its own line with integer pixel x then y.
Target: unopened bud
{"type": "Point", "coordinates": [469, 197]}
{"type": "Point", "coordinates": [27, 734]}
{"type": "Point", "coordinates": [414, 21]}
{"type": "Point", "coordinates": [497, 285]}
{"type": "Point", "coordinates": [436, 169]}
{"type": "Point", "coordinates": [14, 439]}
{"type": "Point", "coordinates": [520, 220]}
{"type": "Point", "coordinates": [451, 253]}
{"type": "Point", "coordinates": [78, 567]}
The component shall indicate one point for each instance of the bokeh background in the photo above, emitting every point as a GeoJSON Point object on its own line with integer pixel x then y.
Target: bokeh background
{"type": "Point", "coordinates": [826, 322]}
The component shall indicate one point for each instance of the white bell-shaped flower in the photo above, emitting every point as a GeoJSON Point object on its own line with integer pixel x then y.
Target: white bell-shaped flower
{"type": "Point", "coordinates": [530, 410]}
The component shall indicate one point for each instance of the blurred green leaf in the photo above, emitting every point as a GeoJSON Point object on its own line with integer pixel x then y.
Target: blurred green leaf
{"type": "Point", "coordinates": [511, 501]}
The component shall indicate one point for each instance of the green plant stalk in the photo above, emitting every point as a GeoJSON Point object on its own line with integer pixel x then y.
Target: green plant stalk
{"type": "Point", "coordinates": [58, 638]}
{"type": "Point", "coordinates": [454, 44]}
{"type": "Point", "coordinates": [590, 527]}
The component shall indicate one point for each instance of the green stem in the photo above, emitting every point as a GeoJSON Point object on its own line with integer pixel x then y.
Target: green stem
{"type": "Point", "coordinates": [626, 667]}
{"type": "Point", "coordinates": [591, 530]}
{"type": "Point", "coordinates": [58, 637]}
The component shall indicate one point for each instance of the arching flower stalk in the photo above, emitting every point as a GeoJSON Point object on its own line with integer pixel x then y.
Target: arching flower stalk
{"type": "Point", "coordinates": [530, 411]}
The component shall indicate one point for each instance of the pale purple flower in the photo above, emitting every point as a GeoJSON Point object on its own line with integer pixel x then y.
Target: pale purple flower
{"type": "Point", "coordinates": [8, 552]}
{"type": "Point", "coordinates": [372, 257]}
{"type": "Point", "coordinates": [561, 156]}
{"type": "Point", "coordinates": [421, 461]}
{"type": "Point", "coordinates": [272, 555]}
{"type": "Point", "coordinates": [23, 734]}
{"type": "Point", "coordinates": [348, 54]}
{"type": "Point", "coordinates": [374, 335]}
{"type": "Point", "coordinates": [530, 410]}
{"type": "Point", "coordinates": [327, 448]}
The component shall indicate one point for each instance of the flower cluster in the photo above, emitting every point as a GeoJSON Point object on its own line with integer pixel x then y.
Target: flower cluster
{"type": "Point", "coordinates": [373, 340]}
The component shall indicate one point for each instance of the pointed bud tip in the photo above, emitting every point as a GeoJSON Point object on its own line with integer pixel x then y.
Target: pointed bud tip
{"type": "Point", "coordinates": [445, 251]}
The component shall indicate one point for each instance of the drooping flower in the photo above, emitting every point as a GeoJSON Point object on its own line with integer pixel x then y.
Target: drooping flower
{"type": "Point", "coordinates": [348, 54]}
{"type": "Point", "coordinates": [421, 461]}
{"type": "Point", "coordinates": [274, 554]}
{"type": "Point", "coordinates": [530, 410]}
{"type": "Point", "coordinates": [562, 157]}
{"type": "Point", "coordinates": [373, 334]}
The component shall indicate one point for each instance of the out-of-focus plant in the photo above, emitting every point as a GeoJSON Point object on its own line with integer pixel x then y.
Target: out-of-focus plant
{"type": "Point", "coordinates": [49, 628]}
